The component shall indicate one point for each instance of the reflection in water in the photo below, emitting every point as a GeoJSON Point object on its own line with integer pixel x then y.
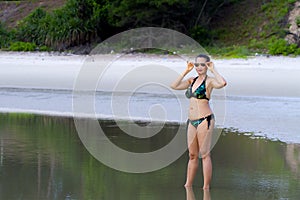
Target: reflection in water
{"type": "Point", "coordinates": [42, 158]}
{"type": "Point", "coordinates": [191, 196]}
{"type": "Point", "coordinates": [206, 194]}
{"type": "Point", "coordinates": [190, 193]}
{"type": "Point", "coordinates": [1, 152]}
{"type": "Point", "coordinates": [293, 157]}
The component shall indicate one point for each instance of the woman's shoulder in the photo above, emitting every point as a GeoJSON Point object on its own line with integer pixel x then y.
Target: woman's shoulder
{"type": "Point", "coordinates": [209, 79]}
{"type": "Point", "coordinates": [191, 79]}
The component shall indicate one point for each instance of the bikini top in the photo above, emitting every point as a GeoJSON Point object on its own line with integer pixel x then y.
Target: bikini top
{"type": "Point", "coordinates": [199, 93]}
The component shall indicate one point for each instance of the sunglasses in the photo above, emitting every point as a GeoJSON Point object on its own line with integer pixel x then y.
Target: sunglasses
{"type": "Point", "coordinates": [198, 64]}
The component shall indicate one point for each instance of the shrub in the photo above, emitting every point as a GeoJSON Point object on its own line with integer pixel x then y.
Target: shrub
{"type": "Point", "coordinates": [22, 46]}
{"type": "Point", "coordinates": [43, 48]}
{"type": "Point", "coordinates": [281, 47]}
{"type": "Point", "coordinates": [298, 21]}
{"type": "Point", "coordinates": [201, 35]}
{"type": "Point", "coordinates": [5, 36]}
{"type": "Point", "coordinates": [32, 28]}
{"type": "Point", "coordinates": [229, 51]}
{"type": "Point", "coordinates": [73, 24]}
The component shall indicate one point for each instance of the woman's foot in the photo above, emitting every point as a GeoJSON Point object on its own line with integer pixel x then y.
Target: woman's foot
{"type": "Point", "coordinates": [188, 185]}
{"type": "Point", "coordinates": [206, 187]}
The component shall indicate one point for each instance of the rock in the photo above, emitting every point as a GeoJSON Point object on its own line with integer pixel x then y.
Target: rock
{"type": "Point", "coordinates": [293, 36]}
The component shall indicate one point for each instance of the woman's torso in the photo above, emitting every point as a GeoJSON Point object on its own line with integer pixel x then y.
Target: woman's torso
{"type": "Point", "coordinates": [199, 107]}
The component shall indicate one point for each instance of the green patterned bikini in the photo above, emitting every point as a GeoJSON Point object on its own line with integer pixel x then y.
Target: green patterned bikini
{"type": "Point", "coordinates": [199, 93]}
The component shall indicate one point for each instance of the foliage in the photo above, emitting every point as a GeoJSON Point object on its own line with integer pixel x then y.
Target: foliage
{"type": "Point", "coordinates": [180, 15]}
{"type": "Point", "coordinates": [30, 29]}
{"type": "Point", "coordinates": [137, 13]}
{"type": "Point", "coordinates": [280, 46]}
{"type": "Point", "coordinates": [5, 36]}
{"type": "Point", "coordinates": [229, 51]}
{"type": "Point", "coordinates": [201, 35]}
{"type": "Point", "coordinates": [255, 27]}
{"type": "Point", "coordinates": [74, 24]}
{"type": "Point", "coordinates": [22, 46]}
{"type": "Point", "coordinates": [85, 21]}
{"type": "Point", "coordinates": [298, 21]}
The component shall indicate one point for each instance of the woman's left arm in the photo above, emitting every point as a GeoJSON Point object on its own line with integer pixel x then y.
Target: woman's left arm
{"type": "Point", "coordinates": [218, 81]}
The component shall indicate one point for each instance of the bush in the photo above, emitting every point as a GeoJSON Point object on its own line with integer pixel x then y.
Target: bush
{"type": "Point", "coordinates": [281, 47]}
{"type": "Point", "coordinates": [73, 24]}
{"type": "Point", "coordinates": [43, 48]}
{"type": "Point", "coordinates": [5, 36]}
{"type": "Point", "coordinates": [229, 51]}
{"type": "Point", "coordinates": [298, 21]}
{"type": "Point", "coordinates": [22, 46]}
{"type": "Point", "coordinates": [201, 35]}
{"type": "Point", "coordinates": [31, 28]}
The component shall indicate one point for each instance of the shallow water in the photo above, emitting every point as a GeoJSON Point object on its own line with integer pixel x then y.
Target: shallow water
{"type": "Point", "coordinates": [276, 118]}
{"type": "Point", "coordinates": [42, 157]}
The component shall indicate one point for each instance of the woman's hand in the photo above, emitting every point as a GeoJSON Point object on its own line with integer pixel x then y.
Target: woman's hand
{"type": "Point", "coordinates": [179, 84]}
{"type": "Point", "coordinates": [189, 67]}
{"type": "Point", "coordinates": [218, 81]}
{"type": "Point", "coordinates": [210, 66]}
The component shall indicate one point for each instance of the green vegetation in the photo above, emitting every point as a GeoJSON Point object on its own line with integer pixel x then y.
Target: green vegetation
{"type": "Point", "coordinates": [74, 24]}
{"type": "Point", "coordinates": [280, 46]}
{"type": "Point", "coordinates": [256, 31]}
{"type": "Point", "coordinates": [5, 36]}
{"type": "Point", "coordinates": [298, 21]}
{"type": "Point", "coordinates": [22, 46]}
{"type": "Point", "coordinates": [230, 51]}
{"type": "Point", "coordinates": [219, 25]}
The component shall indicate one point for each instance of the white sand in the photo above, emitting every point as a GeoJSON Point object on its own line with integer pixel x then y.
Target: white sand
{"type": "Point", "coordinates": [263, 94]}
{"type": "Point", "coordinates": [259, 76]}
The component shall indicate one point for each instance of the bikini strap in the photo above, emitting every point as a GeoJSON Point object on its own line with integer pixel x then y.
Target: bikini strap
{"type": "Point", "coordinates": [194, 80]}
{"type": "Point", "coordinates": [205, 77]}
{"type": "Point", "coordinates": [208, 119]}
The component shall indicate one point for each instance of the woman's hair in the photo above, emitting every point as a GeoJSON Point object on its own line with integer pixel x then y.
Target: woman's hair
{"type": "Point", "coordinates": [203, 56]}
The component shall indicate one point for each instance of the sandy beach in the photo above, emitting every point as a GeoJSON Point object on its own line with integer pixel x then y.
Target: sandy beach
{"type": "Point", "coordinates": [262, 95]}
{"type": "Point", "coordinates": [42, 155]}
{"type": "Point", "coordinates": [257, 76]}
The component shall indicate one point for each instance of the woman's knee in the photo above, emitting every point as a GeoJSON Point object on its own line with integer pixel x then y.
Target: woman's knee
{"type": "Point", "coordinates": [205, 156]}
{"type": "Point", "coordinates": [193, 156]}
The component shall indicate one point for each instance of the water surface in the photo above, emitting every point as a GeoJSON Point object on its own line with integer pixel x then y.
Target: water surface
{"type": "Point", "coordinates": [273, 117]}
{"type": "Point", "coordinates": [42, 157]}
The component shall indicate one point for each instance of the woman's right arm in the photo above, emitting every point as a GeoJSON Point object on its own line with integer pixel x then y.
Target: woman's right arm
{"type": "Point", "coordinates": [179, 84]}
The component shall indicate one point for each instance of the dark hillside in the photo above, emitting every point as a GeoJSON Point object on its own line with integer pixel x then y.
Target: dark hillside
{"type": "Point", "coordinates": [240, 26]}
{"type": "Point", "coordinates": [251, 20]}
{"type": "Point", "coordinates": [13, 11]}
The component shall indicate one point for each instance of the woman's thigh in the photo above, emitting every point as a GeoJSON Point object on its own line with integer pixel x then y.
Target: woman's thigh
{"type": "Point", "coordinates": [204, 136]}
{"type": "Point", "coordinates": [192, 140]}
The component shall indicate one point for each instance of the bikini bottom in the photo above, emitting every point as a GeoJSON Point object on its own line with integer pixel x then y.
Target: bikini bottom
{"type": "Point", "coordinates": [196, 122]}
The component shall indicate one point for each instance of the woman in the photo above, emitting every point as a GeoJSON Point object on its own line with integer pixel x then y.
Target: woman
{"type": "Point", "coordinates": [201, 119]}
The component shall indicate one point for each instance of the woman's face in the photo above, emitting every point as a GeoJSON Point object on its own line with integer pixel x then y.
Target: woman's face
{"type": "Point", "coordinates": [200, 65]}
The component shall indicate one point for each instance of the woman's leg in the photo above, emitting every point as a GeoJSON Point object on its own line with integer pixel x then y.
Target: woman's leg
{"type": "Point", "coordinates": [207, 171]}
{"type": "Point", "coordinates": [204, 136]}
{"type": "Point", "coordinates": [193, 155]}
